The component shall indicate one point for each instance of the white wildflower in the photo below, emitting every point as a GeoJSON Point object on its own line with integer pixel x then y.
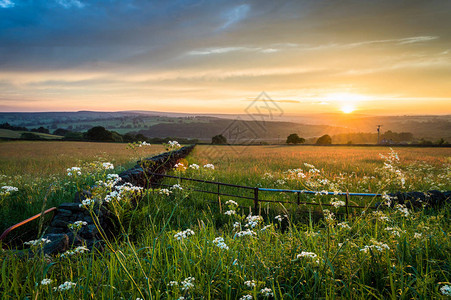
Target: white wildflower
{"type": "Point", "coordinates": [184, 234]}
{"type": "Point", "coordinates": [173, 283]}
{"type": "Point", "coordinates": [231, 202]}
{"type": "Point", "coordinates": [187, 283]}
{"type": "Point", "coordinates": [266, 292]}
{"type": "Point", "coordinates": [343, 225]}
{"type": "Point", "coordinates": [177, 187]}
{"type": "Point", "coordinates": [37, 242]}
{"type": "Point", "coordinates": [65, 286]}
{"type": "Point", "coordinates": [219, 242]}
{"type": "Point", "coordinates": [194, 166]}
{"type": "Point", "coordinates": [245, 233]}
{"type": "Point", "coordinates": [174, 144]}
{"type": "Point", "coordinates": [446, 290]}
{"type": "Point", "coordinates": [209, 166]}
{"type": "Point", "coordinates": [230, 212]}
{"type": "Point", "coordinates": [107, 166]}
{"type": "Point", "coordinates": [246, 297]}
{"type": "Point", "coordinates": [46, 281]}
{"type": "Point", "coordinates": [307, 255]}
{"type": "Point", "coordinates": [250, 283]}
{"type": "Point", "coordinates": [164, 192]}
{"type": "Point", "coordinates": [77, 225]}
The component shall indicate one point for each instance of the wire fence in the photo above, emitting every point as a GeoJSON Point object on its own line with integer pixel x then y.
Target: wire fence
{"type": "Point", "coordinates": [255, 193]}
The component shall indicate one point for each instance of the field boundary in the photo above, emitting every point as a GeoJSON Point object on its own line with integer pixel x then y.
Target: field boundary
{"type": "Point", "coordinates": [256, 193]}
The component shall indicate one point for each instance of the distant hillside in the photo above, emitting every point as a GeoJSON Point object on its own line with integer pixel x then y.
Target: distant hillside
{"type": "Point", "coordinates": [268, 131]}
{"type": "Point", "coordinates": [201, 126]}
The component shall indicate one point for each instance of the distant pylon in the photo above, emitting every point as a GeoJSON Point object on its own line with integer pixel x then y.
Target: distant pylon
{"type": "Point", "coordinates": [378, 132]}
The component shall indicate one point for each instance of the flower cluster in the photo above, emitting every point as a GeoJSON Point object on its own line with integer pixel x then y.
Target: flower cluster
{"type": "Point", "coordinates": [446, 290]}
{"type": "Point", "coordinates": [246, 297]}
{"type": "Point", "coordinates": [245, 233]}
{"type": "Point", "coordinates": [46, 281]}
{"type": "Point", "coordinates": [37, 242]}
{"type": "Point", "coordinates": [65, 286]}
{"type": "Point", "coordinates": [252, 221]}
{"type": "Point", "coordinates": [164, 192]}
{"type": "Point", "coordinates": [187, 284]}
{"type": "Point", "coordinates": [250, 284]}
{"type": "Point", "coordinates": [219, 242]}
{"type": "Point", "coordinates": [209, 166]}
{"type": "Point", "coordinates": [337, 203]}
{"type": "Point", "coordinates": [6, 190]}
{"type": "Point", "coordinates": [266, 292]}
{"type": "Point", "coordinates": [140, 144]}
{"type": "Point", "coordinates": [176, 187]}
{"type": "Point", "coordinates": [73, 171]}
{"type": "Point", "coordinates": [108, 166]}
{"type": "Point", "coordinates": [174, 145]}
{"type": "Point", "coordinates": [80, 249]}
{"type": "Point", "coordinates": [77, 225]}
{"type": "Point", "coordinates": [180, 167]}
{"type": "Point", "coordinates": [280, 218]}
{"type": "Point", "coordinates": [184, 234]}
{"type": "Point", "coordinates": [378, 246]}
{"type": "Point", "coordinates": [194, 166]}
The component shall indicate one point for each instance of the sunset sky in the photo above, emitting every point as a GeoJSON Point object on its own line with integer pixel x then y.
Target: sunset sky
{"type": "Point", "coordinates": [378, 57]}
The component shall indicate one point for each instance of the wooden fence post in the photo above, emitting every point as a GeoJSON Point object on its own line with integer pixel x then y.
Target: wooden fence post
{"type": "Point", "coordinates": [256, 200]}
{"type": "Point", "coordinates": [347, 203]}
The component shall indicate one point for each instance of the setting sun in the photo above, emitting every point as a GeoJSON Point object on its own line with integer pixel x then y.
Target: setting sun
{"type": "Point", "coordinates": [347, 109]}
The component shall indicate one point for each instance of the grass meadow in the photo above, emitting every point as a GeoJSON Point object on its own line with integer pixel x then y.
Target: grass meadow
{"type": "Point", "coordinates": [180, 244]}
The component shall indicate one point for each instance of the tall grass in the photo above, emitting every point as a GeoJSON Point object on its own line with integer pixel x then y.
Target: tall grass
{"type": "Point", "coordinates": [389, 253]}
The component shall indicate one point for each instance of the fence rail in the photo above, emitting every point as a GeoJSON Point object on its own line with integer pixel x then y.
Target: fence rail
{"type": "Point", "coordinates": [256, 192]}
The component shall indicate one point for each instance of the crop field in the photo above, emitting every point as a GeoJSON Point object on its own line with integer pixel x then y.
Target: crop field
{"type": "Point", "coordinates": [176, 243]}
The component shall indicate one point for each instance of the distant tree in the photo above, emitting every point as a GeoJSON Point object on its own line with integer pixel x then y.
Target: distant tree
{"type": "Point", "coordinates": [99, 133]}
{"type": "Point", "coordinates": [116, 137]}
{"type": "Point", "coordinates": [349, 142]}
{"type": "Point", "coordinates": [40, 130]}
{"type": "Point", "coordinates": [441, 141]}
{"type": "Point", "coordinates": [295, 139]}
{"type": "Point", "coordinates": [218, 139]}
{"type": "Point", "coordinates": [30, 136]}
{"type": "Point", "coordinates": [60, 131]}
{"type": "Point", "coordinates": [73, 136]}
{"type": "Point", "coordinates": [10, 127]}
{"type": "Point", "coordinates": [324, 140]}
{"type": "Point", "coordinates": [425, 142]}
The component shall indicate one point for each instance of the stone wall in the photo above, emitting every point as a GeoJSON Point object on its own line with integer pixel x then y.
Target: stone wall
{"type": "Point", "coordinates": [62, 238]}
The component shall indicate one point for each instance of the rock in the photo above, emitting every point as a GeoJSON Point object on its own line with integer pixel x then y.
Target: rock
{"type": "Point", "coordinates": [72, 207]}
{"type": "Point", "coordinates": [59, 243]}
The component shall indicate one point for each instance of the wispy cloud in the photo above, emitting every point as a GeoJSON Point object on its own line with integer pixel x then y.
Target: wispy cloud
{"type": "Point", "coordinates": [235, 15]}
{"type": "Point", "coordinates": [71, 3]}
{"type": "Point", "coordinates": [6, 4]}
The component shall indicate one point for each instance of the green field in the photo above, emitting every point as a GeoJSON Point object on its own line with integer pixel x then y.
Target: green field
{"type": "Point", "coordinates": [311, 253]}
{"type": "Point", "coordinates": [12, 134]}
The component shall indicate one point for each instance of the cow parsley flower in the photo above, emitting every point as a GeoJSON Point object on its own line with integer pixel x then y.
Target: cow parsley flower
{"type": "Point", "coordinates": [65, 286]}
{"type": "Point", "coordinates": [77, 225]}
{"type": "Point", "coordinates": [187, 284]}
{"type": "Point", "coordinates": [250, 284]}
{"type": "Point", "coordinates": [173, 283]}
{"type": "Point", "coordinates": [252, 221]}
{"type": "Point", "coordinates": [446, 290]}
{"type": "Point", "coordinates": [108, 166]}
{"type": "Point", "coordinates": [377, 246]}
{"type": "Point", "coordinates": [184, 234]}
{"type": "Point", "coordinates": [194, 166]}
{"type": "Point", "coordinates": [343, 225]}
{"type": "Point", "coordinates": [177, 187]}
{"type": "Point", "coordinates": [6, 190]}
{"type": "Point", "coordinates": [246, 297]}
{"type": "Point", "coordinates": [219, 242]}
{"type": "Point", "coordinates": [307, 255]}
{"type": "Point", "coordinates": [337, 203]}
{"type": "Point", "coordinates": [266, 292]}
{"type": "Point", "coordinates": [231, 202]}
{"type": "Point", "coordinates": [46, 281]}
{"type": "Point", "coordinates": [230, 212]}
{"type": "Point", "coordinates": [74, 170]}
{"type": "Point", "coordinates": [37, 242]}
{"type": "Point", "coordinates": [209, 166]}
{"type": "Point", "coordinates": [164, 192]}
{"type": "Point", "coordinates": [174, 145]}
{"type": "Point", "coordinates": [247, 232]}
{"type": "Point", "coordinates": [87, 202]}
{"type": "Point", "coordinates": [179, 166]}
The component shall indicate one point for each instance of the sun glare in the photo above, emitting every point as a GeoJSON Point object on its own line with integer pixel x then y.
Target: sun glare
{"type": "Point", "coordinates": [347, 109]}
